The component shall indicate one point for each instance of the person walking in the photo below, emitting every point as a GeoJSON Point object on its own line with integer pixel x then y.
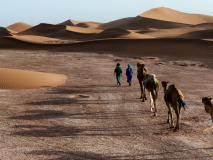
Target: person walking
{"type": "Point", "coordinates": [129, 72]}
{"type": "Point", "coordinates": [118, 71]}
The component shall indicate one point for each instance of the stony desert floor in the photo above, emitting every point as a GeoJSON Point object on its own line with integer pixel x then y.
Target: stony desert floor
{"type": "Point", "coordinates": [90, 117]}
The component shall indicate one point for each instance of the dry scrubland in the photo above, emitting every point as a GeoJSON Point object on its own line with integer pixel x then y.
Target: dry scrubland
{"type": "Point", "coordinates": [59, 99]}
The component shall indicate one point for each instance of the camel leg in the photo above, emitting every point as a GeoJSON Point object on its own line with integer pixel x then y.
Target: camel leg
{"type": "Point", "coordinates": [155, 105]}
{"type": "Point", "coordinates": [140, 82]}
{"type": "Point", "coordinates": [144, 92]}
{"type": "Point", "coordinates": [151, 102]}
{"type": "Point", "coordinates": [144, 95]}
{"type": "Point", "coordinates": [171, 115]}
{"type": "Point", "coordinates": [178, 118]}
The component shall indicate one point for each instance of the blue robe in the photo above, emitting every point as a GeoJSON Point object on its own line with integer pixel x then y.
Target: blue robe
{"type": "Point", "coordinates": [129, 72]}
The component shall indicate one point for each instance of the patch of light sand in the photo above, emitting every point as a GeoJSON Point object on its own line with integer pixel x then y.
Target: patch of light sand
{"type": "Point", "coordinates": [22, 79]}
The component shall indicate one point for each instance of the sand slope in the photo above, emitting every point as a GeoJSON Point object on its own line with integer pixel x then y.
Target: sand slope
{"type": "Point", "coordinates": [4, 32]}
{"type": "Point", "coordinates": [170, 33]}
{"type": "Point", "coordinates": [19, 27]}
{"type": "Point", "coordinates": [69, 23]}
{"type": "Point", "coordinates": [34, 38]}
{"type": "Point", "coordinates": [140, 23]}
{"type": "Point", "coordinates": [204, 25]}
{"type": "Point", "coordinates": [203, 34]}
{"type": "Point", "coordinates": [22, 79]}
{"type": "Point", "coordinates": [88, 24]}
{"type": "Point", "coordinates": [43, 29]}
{"type": "Point", "coordinates": [83, 30]}
{"type": "Point", "coordinates": [182, 48]}
{"type": "Point", "coordinates": [167, 14]}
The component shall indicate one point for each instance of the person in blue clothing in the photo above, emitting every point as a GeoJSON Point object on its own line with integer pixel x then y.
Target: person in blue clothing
{"type": "Point", "coordinates": [118, 71]}
{"type": "Point", "coordinates": [129, 72]}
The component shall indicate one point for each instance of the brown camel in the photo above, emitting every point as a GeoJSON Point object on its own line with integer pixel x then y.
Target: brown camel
{"type": "Point", "coordinates": [142, 71]}
{"type": "Point", "coordinates": [208, 106]}
{"type": "Point", "coordinates": [152, 86]}
{"type": "Point", "coordinates": [173, 98]}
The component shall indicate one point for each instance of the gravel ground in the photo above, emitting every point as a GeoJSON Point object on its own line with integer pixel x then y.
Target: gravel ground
{"type": "Point", "coordinates": [90, 117]}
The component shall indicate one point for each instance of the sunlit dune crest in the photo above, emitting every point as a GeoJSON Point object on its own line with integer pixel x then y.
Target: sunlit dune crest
{"type": "Point", "coordinates": [19, 27]}
{"type": "Point", "coordinates": [171, 15]}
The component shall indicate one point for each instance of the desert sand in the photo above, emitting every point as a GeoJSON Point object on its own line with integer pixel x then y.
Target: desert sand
{"type": "Point", "coordinates": [59, 98]}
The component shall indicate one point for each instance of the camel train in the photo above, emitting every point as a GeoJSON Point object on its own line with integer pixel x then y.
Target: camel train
{"type": "Point", "coordinates": [173, 97]}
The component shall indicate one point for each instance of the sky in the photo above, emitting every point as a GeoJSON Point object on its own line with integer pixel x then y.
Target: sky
{"type": "Point", "coordinates": [34, 12]}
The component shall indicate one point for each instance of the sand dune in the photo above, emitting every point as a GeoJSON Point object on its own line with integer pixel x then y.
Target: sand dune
{"type": "Point", "coordinates": [34, 39]}
{"type": "Point", "coordinates": [70, 35]}
{"type": "Point", "coordinates": [19, 27]}
{"type": "Point", "coordinates": [203, 34]}
{"type": "Point", "coordinates": [111, 33]}
{"type": "Point", "coordinates": [43, 29]}
{"type": "Point", "coordinates": [22, 79]}
{"type": "Point", "coordinates": [140, 23]}
{"type": "Point", "coordinates": [80, 24]}
{"type": "Point", "coordinates": [204, 25]}
{"type": "Point", "coordinates": [69, 23]}
{"type": "Point", "coordinates": [88, 24]}
{"type": "Point", "coordinates": [169, 33]}
{"type": "Point", "coordinates": [182, 48]}
{"type": "Point", "coordinates": [4, 32]}
{"type": "Point", "coordinates": [83, 30]}
{"type": "Point", "coordinates": [167, 14]}
{"type": "Point", "coordinates": [13, 43]}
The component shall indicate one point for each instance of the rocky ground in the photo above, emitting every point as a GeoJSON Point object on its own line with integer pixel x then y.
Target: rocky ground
{"type": "Point", "coordinates": [90, 117]}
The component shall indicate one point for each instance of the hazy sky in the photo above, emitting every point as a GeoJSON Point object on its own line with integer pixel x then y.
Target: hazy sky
{"type": "Point", "coordinates": [56, 11]}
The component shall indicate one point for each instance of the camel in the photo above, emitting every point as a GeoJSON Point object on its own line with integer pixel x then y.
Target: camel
{"type": "Point", "coordinates": [142, 71]}
{"type": "Point", "coordinates": [152, 86]}
{"type": "Point", "coordinates": [174, 99]}
{"type": "Point", "coordinates": [208, 106]}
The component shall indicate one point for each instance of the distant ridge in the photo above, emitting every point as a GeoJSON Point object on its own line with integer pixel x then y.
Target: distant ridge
{"type": "Point", "coordinates": [19, 27]}
{"type": "Point", "coordinates": [167, 14]}
{"type": "Point", "coordinates": [140, 23]}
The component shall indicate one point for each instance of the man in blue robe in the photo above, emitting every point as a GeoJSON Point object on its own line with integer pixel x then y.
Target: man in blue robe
{"type": "Point", "coordinates": [129, 72]}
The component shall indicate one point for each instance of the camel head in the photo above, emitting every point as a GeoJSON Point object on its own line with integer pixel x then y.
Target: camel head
{"type": "Point", "coordinates": [139, 65]}
{"type": "Point", "coordinates": [142, 68]}
{"type": "Point", "coordinates": [164, 85]}
{"type": "Point", "coordinates": [207, 104]}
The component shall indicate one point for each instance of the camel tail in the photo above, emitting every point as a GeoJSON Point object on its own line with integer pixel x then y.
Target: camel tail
{"type": "Point", "coordinates": [181, 102]}
{"type": "Point", "coordinates": [156, 90]}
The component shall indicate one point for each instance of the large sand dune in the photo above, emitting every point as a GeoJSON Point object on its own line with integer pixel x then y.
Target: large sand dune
{"type": "Point", "coordinates": [167, 14]}
{"type": "Point", "coordinates": [43, 29]}
{"type": "Point", "coordinates": [22, 79]}
{"type": "Point", "coordinates": [19, 27]}
{"type": "Point", "coordinates": [140, 23]}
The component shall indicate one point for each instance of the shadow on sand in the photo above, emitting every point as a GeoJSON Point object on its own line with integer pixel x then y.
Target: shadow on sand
{"type": "Point", "coordinates": [181, 154]}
